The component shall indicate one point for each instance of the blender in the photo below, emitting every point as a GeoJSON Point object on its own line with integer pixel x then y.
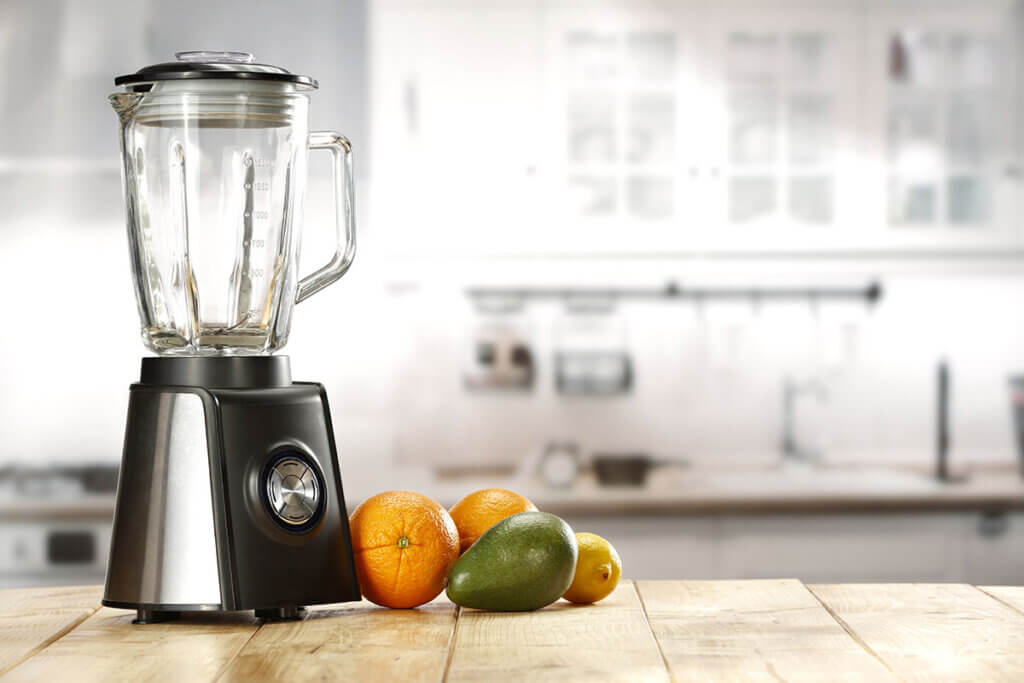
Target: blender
{"type": "Point", "coordinates": [229, 495]}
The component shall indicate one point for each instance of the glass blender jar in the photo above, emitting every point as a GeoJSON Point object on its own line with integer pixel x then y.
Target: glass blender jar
{"type": "Point", "coordinates": [214, 151]}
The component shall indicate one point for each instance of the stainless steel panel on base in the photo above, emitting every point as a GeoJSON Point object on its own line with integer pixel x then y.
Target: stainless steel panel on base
{"type": "Point", "coordinates": [164, 547]}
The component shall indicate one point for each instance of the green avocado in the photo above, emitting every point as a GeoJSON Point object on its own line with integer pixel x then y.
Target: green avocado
{"type": "Point", "coordinates": [522, 563]}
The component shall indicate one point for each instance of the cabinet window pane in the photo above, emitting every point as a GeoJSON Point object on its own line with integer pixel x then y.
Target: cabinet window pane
{"type": "Point", "coordinates": [810, 199]}
{"type": "Point", "coordinates": [968, 200]}
{"type": "Point", "coordinates": [592, 56]}
{"type": "Point", "coordinates": [972, 60]}
{"type": "Point", "coordinates": [753, 131]}
{"type": "Point", "coordinates": [810, 129]}
{"type": "Point", "coordinates": [810, 59]}
{"type": "Point", "coordinates": [649, 196]}
{"type": "Point", "coordinates": [593, 195]}
{"type": "Point", "coordinates": [592, 136]}
{"type": "Point", "coordinates": [912, 201]}
{"type": "Point", "coordinates": [914, 132]}
{"type": "Point", "coordinates": [966, 128]}
{"type": "Point", "coordinates": [752, 57]}
{"type": "Point", "coordinates": [751, 198]}
{"type": "Point", "coordinates": [651, 56]}
{"type": "Point", "coordinates": [916, 58]}
{"type": "Point", "coordinates": [651, 128]}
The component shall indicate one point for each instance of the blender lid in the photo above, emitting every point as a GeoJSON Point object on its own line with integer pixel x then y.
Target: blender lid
{"type": "Point", "coordinates": [205, 64]}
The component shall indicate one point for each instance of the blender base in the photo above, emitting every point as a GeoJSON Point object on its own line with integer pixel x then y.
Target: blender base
{"type": "Point", "coordinates": [229, 496]}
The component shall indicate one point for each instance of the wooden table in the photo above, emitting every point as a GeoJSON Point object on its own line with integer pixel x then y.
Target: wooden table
{"type": "Point", "coordinates": [767, 630]}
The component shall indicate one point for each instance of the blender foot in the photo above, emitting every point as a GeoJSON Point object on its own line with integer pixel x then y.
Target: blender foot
{"type": "Point", "coordinates": [280, 613]}
{"type": "Point", "coordinates": [144, 615]}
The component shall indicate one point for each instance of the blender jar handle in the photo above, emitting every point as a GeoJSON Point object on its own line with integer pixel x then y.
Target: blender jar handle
{"type": "Point", "coordinates": [344, 214]}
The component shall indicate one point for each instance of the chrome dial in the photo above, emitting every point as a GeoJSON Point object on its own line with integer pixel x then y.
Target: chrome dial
{"type": "Point", "coordinates": [293, 491]}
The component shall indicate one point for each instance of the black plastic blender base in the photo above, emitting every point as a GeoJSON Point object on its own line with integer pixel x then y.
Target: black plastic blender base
{"type": "Point", "coordinates": [280, 613]}
{"type": "Point", "coordinates": [145, 616]}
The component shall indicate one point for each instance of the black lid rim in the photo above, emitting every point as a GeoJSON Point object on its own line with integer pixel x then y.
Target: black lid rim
{"type": "Point", "coordinates": [137, 78]}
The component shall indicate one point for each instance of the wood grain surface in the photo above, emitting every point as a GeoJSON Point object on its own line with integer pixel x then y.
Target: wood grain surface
{"type": "Point", "coordinates": [108, 647]}
{"type": "Point", "coordinates": [1010, 595]}
{"type": "Point", "coordinates": [767, 630]}
{"type": "Point", "coordinates": [609, 640]}
{"type": "Point", "coordinates": [351, 642]}
{"type": "Point", "coordinates": [31, 619]}
{"type": "Point", "coordinates": [928, 632]}
{"type": "Point", "coordinates": [749, 630]}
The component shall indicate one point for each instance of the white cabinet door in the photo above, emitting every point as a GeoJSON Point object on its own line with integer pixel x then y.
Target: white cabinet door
{"type": "Point", "coordinates": [621, 125]}
{"type": "Point", "coordinates": [994, 548]}
{"type": "Point", "coordinates": [455, 116]}
{"type": "Point", "coordinates": [941, 102]}
{"type": "Point", "coordinates": [841, 548]}
{"type": "Point", "coordinates": [779, 135]}
{"type": "Point", "coordinates": [659, 547]}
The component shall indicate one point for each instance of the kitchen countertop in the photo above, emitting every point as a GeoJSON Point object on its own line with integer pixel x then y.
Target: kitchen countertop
{"type": "Point", "coordinates": [648, 630]}
{"type": "Point", "coordinates": [795, 488]}
{"type": "Point", "coordinates": [674, 491]}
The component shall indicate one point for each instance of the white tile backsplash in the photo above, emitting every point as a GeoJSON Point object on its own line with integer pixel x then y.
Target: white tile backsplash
{"type": "Point", "coordinates": [708, 381]}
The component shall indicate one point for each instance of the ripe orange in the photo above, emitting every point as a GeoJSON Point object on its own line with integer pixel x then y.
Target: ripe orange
{"type": "Point", "coordinates": [404, 545]}
{"type": "Point", "coordinates": [480, 510]}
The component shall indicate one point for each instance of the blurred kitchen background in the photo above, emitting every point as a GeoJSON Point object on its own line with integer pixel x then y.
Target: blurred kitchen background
{"type": "Point", "coordinates": [738, 285]}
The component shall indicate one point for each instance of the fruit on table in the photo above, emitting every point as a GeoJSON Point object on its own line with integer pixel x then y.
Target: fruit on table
{"type": "Point", "coordinates": [404, 544]}
{"type": "Point", "coordinates": [523, 562]}
{"type": "Point", "coordinates": [597, 570]}
{"type": "Point", "coordinates": [480, 510]}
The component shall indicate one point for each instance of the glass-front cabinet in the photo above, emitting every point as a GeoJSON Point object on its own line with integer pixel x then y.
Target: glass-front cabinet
{"type": "Point", "coordinates": [683, 126]}
{"type": "Point", "coordinates": [943, 106]}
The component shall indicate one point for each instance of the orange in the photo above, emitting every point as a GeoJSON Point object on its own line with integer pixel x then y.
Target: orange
{"type": "Point", "coordinates": [404, 544]}
{"type": "Point", "coordinates": [480, 510]}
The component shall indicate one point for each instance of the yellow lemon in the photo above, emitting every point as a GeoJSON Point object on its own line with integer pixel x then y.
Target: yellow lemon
{"type": "Point", "coordinates": [597, 570]}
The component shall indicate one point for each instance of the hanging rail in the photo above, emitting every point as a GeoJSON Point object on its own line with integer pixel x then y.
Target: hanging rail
{"type": "Point", "coordinates": [871, 292]}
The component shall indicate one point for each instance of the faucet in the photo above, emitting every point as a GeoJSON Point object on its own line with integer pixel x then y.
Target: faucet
{"type": "Point", "coordinates": [791, 390]}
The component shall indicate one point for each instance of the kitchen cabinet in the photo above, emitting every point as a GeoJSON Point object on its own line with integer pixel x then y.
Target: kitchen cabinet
{"type": "Point", "coordinates": [657, 547]}
{"type": "Point", "coordinates": [994, 547]}
{"type": "Point", "coordinates": [922, 546]}
{"type": "Point", "coordinates": [845, 126]}
{"type": "Point", "coordinates": [777, 166]}
{"type": "Point", "coordinates": [818, 548]}
{"type": "Point", "coordinates": [940, 107]}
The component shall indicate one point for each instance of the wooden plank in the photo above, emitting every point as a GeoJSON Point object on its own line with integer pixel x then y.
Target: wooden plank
{"type": "Point", "coordinates": [32, 618]}
{"type": "Point", "coordinates": [107, 647]}
{"type": "Point", "coordinates": [609, 640]}
{"type": "Point", "coordinates": [351, 642]}
{"type": "Point", "coordinates": [927, 632]}
{"type": "Point", "coordinates": [1011, 595]}
{"type": "Point", "coordinates": [752, 630]}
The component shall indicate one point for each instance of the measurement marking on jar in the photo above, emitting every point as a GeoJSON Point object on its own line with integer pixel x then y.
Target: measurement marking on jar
{"type": "Point", "coordinates": [255, 272]}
